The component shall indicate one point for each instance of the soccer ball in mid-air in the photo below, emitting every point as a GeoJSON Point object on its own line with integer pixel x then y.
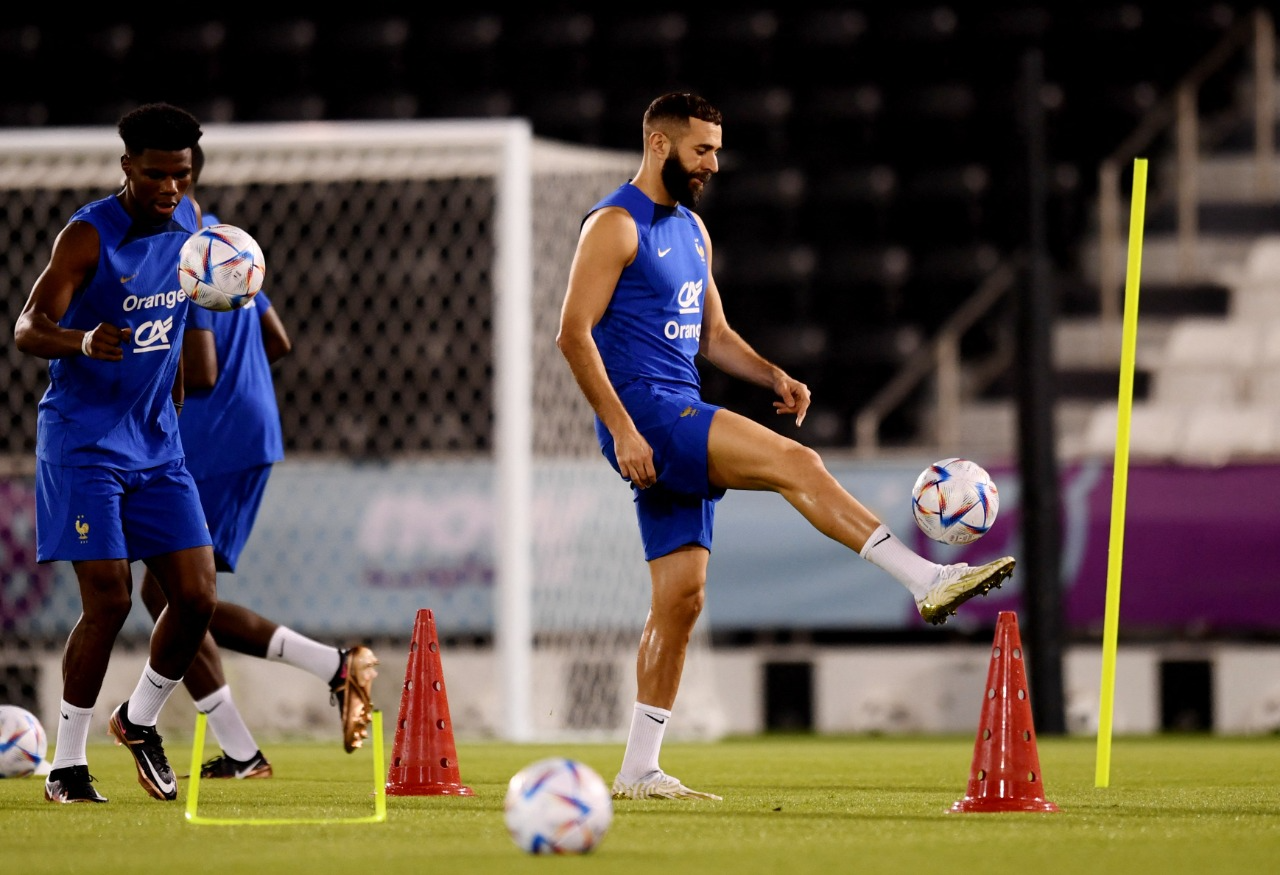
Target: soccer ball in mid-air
{"type": "Point", "coordinates": [22, 742]}
{"type": "Point", "coordinates": [955, 501]}
{"type": "Point", "coordinates": [221, 267]}
{"type": "Point", "coordinates": [557, 806]}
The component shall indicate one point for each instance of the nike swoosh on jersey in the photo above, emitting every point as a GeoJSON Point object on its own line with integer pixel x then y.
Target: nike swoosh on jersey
{"type": "Point", "coordinates": [662, 253]}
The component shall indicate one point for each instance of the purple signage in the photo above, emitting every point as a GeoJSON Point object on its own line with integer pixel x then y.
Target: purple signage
{"type": "Point", "coordinates": [1200, 552]}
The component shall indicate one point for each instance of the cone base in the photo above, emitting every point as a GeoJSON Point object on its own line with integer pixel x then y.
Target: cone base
{"type": "Point", "coordinates": [428, 790]}
{"type": "Point", "coordinates": [979, 805]}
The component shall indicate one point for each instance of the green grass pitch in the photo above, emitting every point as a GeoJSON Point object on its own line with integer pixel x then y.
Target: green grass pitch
{"type": "Point", "coordinates": [793, 804]}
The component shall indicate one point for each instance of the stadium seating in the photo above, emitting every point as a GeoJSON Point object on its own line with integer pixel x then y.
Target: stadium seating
{"type": "Point", "coordinates": [1207, 360]}
{"type": "Point", "coordinates": [1254, 286]}
{"type": "Point", "coordinates": [1218, 434]}
{"type": "Point", "coordinates": [1155, 432]}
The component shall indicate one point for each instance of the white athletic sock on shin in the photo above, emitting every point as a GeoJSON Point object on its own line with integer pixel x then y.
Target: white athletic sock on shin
{"type": "Point", "coordinates": [299, 651]}
{"type": "Point", "coordinates": [228, 726]}
{"type": "Point", "coordinates": [648, 724]}
{"type": "Point", "coordinates": [73, 735]}
{"type": "Point", "coordinates": [884, 550]}
{"type": "Point", "coordinates": [149, 696]}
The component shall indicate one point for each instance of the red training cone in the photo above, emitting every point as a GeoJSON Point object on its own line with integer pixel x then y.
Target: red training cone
{"type": "Point", "coordinates": [1006, 768]}
{"type": "Point", "coordinates": [424, 761]}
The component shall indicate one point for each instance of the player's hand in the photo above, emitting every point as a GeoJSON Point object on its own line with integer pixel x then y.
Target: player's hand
{"type": "Point", "coordinates": [635, 459]}
{"type": "Point", "coordinates": [794, 397]}
{"type": "Point", "coordinates": [105, 342]}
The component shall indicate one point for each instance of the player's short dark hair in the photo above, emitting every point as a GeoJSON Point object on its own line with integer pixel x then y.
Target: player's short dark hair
{"type": "Point", "coordinates": [158, 126]}
{"type": "Point", "coordinates": [680, 106]}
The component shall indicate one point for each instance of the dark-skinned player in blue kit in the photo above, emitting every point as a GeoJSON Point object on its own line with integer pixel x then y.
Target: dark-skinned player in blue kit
{"type": "Point", "coordinates": [112, 486]}
{"type": "Point", "coordinates": [641, 305]}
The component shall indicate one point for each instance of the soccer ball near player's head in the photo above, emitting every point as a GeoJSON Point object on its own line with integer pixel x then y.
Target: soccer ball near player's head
{"type": "Point", "coordinates": [221, 267]}
{"type": "Point", "coordinates": [676, 116]}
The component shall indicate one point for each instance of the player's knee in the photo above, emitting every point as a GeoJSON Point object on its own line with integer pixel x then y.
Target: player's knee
{"type": "Point", "coordinates": [106, 598]}
{"type": "Point", "coordinates": [201, 604]}
{"type": "Point", "coordinates": [690, 601]}
{"type": "Point", "coordinates": [802, 463]}
{"type": "Point", "coordinates": [696, 601]}
{"type": "Point", "coordinates": [197, 600]}
{"type": "Point", "coordinates": [108, 610]}
{"type": "Point", "coordinates": [681, 605]}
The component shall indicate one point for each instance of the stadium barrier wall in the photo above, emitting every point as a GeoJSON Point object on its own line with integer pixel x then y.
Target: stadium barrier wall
{"type": "Point", "coordinates": [891, 690]}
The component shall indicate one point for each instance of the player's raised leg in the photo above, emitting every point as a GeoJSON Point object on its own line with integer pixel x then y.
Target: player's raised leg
{"type": "Point", "coordinates": [742, 454]}
{"type": "Point", "coordinates": [349, 671]}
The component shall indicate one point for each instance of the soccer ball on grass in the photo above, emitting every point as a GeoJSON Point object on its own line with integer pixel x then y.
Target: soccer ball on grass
{"type": "Point", "coordinates": [23, 744]}
{"type": "Point", "coordinates": [221, 267]}
{"type": "Point", "coordinates": [955, 501]}
{"type": "Point", "coordinates": [557, 806]}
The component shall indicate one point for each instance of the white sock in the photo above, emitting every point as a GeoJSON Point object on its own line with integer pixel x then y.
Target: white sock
{"type": "Point", "coordinates": [299, 651]}
{"type": "Point", "coordinates": [644, 742]}
{"type": "Point", "coordinates": [884, 550]}
{"type": "Point", "coordinates": [149, 696]}
{"type": "Point", "coordinates": [228, 726]}
{"type": "Point", "coordinates": [73, 735]}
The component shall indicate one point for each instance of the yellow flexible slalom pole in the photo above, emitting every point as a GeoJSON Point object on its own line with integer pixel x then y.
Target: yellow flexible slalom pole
{"type": "Point", "coordinates": [379, 784]}
{"type": "Point", "coordinates": [1120, 474]}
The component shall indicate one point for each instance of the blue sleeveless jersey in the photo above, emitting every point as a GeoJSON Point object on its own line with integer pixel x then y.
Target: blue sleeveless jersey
{"type": "Point", "coordinates": [652, 326]}
{"type": "Point", "coordinates": [121, 413]}
{"type": "Point", "coordinates": [236, 424]}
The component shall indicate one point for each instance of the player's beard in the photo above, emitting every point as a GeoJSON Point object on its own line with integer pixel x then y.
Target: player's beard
{"type": "Point", "coordinates": [676, 180]}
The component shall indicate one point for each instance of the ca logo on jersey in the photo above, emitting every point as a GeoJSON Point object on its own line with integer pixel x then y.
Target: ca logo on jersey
{"type": "Point", "coordinates": [153, 335]}
{"type": "Point", "coordinates": [689, 297]}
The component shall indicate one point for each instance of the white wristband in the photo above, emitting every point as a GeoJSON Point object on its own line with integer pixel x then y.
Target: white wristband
{"type": "Point", "coordinates": [85, 341]}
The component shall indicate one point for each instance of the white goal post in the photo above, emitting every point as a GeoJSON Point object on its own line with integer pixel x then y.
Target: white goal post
{"type": "Point", "coordinates": [421, 267]}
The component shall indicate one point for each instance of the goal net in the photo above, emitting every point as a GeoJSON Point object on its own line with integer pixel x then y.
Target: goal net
{"type": "Point", "coordinates": [420, 268]}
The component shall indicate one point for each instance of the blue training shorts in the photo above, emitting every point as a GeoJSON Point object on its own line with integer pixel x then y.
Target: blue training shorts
{"type": "Point", "coordinates": [680, 508]}
{"type": "Point", "coordinates": [99, 512]}
{"type": "Point", "coordinates": [231, 503]}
